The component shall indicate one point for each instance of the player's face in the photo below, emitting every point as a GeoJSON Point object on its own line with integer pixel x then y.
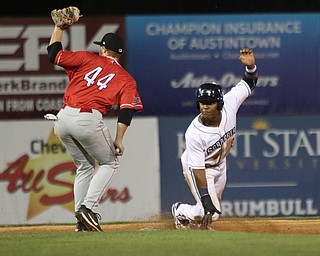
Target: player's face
{"type": "Point", "coordinates": [208, 109]}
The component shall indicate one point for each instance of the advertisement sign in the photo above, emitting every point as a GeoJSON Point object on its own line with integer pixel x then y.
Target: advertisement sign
{"type": "Point", "coordinates": [30, 85]}
{"type": "Point", "coordinates": [171, 56]}
{"type": "Point", "coordinates": [37, 175]}
{"type": "Point", "coordinates": [273, 167]}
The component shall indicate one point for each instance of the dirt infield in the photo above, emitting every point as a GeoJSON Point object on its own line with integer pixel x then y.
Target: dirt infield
{"type": "Point", "coordinates": [301, 226]}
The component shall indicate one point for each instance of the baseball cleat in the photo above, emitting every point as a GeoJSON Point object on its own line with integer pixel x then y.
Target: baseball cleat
{"type": "Point", "coordinates": [177, 218]}
{"type": "Point", "coordinates": [88, 218]}
{"type": "Point", "coordinates": [181, 221]}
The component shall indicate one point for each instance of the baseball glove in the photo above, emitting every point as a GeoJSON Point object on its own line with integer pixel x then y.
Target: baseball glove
{"type": "Point", "coordinates": [64, 18]}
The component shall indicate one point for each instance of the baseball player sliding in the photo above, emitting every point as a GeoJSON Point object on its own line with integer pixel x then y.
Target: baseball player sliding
{"type": "Point", "coordinates": [209, 139]}
{"type": "Point", "coordinates": [96, 83]}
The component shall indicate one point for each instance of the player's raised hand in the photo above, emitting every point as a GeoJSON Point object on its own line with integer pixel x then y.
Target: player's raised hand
{"type": "Point", "coordinates": [247, 57]}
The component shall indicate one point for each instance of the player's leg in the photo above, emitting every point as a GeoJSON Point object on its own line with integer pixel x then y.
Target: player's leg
{"type": "Point", "coordinates": [108, 164]}
{"type": "Point", "coordinates": [85, 169]}
{"type": "Point", "coordinates": [88, 135]}
{"type": "Point", "coordinates": [94, 138]}
{"type": "Point", "coordinates": [100, 146]}
{"type": "Point", "coordinates": [83, 161]}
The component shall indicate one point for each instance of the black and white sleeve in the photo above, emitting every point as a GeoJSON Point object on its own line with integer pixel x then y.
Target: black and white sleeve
{"type": "Point", "coordinates": [251, 77]}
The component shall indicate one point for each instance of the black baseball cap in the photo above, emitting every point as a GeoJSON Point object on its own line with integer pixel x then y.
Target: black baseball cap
{"type": "Point", "coordinates": [112, 42]}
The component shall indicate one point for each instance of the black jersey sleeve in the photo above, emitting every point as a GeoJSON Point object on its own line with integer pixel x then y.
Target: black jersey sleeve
{"type": "Point", "coordinates": [53, 50]}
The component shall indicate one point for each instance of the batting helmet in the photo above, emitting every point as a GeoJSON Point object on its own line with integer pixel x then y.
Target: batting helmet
{"type": "Point", "coordinates": [209, 93]}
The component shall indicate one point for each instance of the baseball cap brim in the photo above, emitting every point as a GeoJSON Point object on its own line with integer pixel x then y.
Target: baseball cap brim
{"type": "Point", "coordinates": [97, 42]}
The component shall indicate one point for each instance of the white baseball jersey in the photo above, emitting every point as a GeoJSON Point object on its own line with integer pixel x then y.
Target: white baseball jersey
{"type": "Point", "coordinates": [207, 148]}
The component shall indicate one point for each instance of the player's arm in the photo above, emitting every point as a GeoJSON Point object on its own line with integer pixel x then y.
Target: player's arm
{"type": "Point", "coordinates": [125, 116]}
{"type": "Point", "coordinates": [62, 19]}
{"type": "Point", "coordinates": [55, 43]}
{"type": "Point", "coordinates": [251, 74]}
{"type": "Point", "coordinates": [124, 120]}
{"type": "Point", "coordinates": [121, 130]}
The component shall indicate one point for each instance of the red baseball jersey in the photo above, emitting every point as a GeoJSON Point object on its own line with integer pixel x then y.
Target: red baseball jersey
{"type": "Point", "coordinates": [97, 82]}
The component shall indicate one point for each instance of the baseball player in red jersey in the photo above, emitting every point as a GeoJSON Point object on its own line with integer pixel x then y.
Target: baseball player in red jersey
{"type": "Point", "coordinates": [96, 83]}
{"type": "Point", "coordinates": [209, 139]}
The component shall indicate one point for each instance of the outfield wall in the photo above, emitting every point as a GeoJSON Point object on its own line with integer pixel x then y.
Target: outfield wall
{"type": "Point", "coordinates": [273, 170]}
{"type": "Point", "coordinates": [36, 175]}
{"type": "Point", "coordinates": [273, 167]}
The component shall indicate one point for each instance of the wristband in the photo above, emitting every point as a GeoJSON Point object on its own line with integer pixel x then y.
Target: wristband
{"type": "Point", "coordinates": [251, 70]}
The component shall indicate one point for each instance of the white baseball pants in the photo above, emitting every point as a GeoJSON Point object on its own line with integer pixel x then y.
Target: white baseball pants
{"type": "Point", "coordinates": [216, 182]}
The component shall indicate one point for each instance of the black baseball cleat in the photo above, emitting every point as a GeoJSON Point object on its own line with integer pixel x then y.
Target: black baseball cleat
{"type": "Point", "coordinates": [80, 227]}
{"type": "Point", "coordinates": [88, 218]}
